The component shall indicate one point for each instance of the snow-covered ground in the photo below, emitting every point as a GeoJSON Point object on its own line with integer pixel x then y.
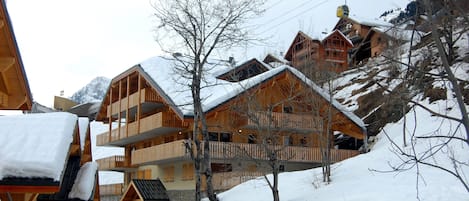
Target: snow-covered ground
{"type": "Point", "coordinates": [362, 178]}
{"type": "Point", "coordinates": [372, 176]}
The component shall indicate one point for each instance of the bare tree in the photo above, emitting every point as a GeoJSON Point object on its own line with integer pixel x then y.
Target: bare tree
{"type": "Point", "coordinates": [275, 117]}
{"type": "Point", "coordinates": [197, 28]}
{"type": "Point", "coordinates": [447, 23]}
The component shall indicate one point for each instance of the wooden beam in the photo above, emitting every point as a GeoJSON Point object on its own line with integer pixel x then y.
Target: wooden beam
{"type": "Point", "coordinates": [29, 189]}
{"type": "Point", "coordinates": [3, 99]}
{"type": "Point", "coordinates": [2, 23]}
{"type": "Point", "coordinates": [6, 63]}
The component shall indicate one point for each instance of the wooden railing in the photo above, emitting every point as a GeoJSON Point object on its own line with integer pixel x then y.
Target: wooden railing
{"type": "Point", "coordinates": [290, 121]}
{"type": "Point", "coordinates": [146, 95]}
{"type": "Point", "coordinates": [111, 163]}
{"type": "Point", "coordinates": [158, 120]}
{"type": "Point", "coordinates": [111, 189]}
{"type": "Point", "coordinates": [226, 150]}
{"type": "Point", "coordinates": [227, 180]}
{"type": "Point", "coordinates": [171, 150]}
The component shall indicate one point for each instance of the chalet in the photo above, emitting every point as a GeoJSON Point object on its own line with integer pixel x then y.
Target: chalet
{"type": "Point", "coordinates": [362, 33]}
{"type": "Point", "coordinates": [14, 88]}
{"type": "Point", "coordinates": [46, 157]}
{"type": "Point", "coordinates": [311, 56]}
{"type": "Point", "coordinates": [149, 112]}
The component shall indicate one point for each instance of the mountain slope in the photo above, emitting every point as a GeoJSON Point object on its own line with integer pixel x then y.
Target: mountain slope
{"type": "Point", "coordinates": [374, 175]}
{"type": "Point", "coordinates": [93, 91]}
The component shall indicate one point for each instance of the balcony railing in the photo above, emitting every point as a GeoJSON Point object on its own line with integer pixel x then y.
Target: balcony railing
{"type": "Point", "coordinates": [116, 163]}
{"type": "Point", "coordinates": [133, 100]}
{"type": "Point", "coordinates": [287, 121]}
{"type": "Point", "coordinates": [111, 189]}
{"type": "Point", "coordinates": [226, 150]}
{"type": "Point", "coordinates": [159, 153]}
{"type": "Point", "coordinates": [227, 180]}
{"type": "Point", "coordinates": [148, 127]}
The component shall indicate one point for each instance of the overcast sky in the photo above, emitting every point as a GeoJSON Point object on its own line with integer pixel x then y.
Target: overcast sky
{"type": "Point", "coordinates": [64, 44]}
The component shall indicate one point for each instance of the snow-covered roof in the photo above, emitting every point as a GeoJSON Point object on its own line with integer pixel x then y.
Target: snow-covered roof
{"type": "Point", "coordinates": [343, 36]}
{"type": "Point", "coordinates": [85, 181]}
{"type": "Point", "coordinates": [370, 22]}
{"type": "Point", "coordinates": [35, 145]}
{"type": "Point", "coordinates": [215, 91]}
{"type": "Point", "coordinates": [399, 33]}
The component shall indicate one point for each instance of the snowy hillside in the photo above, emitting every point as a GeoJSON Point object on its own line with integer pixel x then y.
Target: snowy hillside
{"type": "Point", "coordinates": [386, 173]}
{"type": "Point", "coordinates": [93, 91]}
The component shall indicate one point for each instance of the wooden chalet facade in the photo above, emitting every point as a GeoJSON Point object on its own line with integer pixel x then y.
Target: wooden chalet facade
{"type": "Point", "coordinates": [14, 88]}
{"type": "Point", "coordinates": [367, 40]}
{"type": "Point", "coordinates": [147, 118]}
{"type": "Point", "coordinates": [312, 56]}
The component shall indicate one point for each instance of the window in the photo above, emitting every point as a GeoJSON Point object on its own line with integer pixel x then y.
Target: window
{"type": "Point", "coordinates": [221, 167]}
{"type": "Point", "coordinates": [252, 139]}
{"type": "Point", "coordinates": [219, 137]}
{"type": "Point", "coordinates": [287, 109]}
{"type": "Point", "coordinates": [168, 174]}
{"type": "Point", "coordinates": [225, 137]}
{"type": "Point", "coordinates": [144, 174]}
{"type": "Point", "coordinates": [187, 171]}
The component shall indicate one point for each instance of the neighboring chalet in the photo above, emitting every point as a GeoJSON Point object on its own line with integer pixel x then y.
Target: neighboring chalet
{"type": "Point", "coordinates": [366, 35]}
{"type": "Point", "coordinates": [149, 111]}
{"type": "Point", "coordinates": [46, 157]}
{"type": "Point", "coordinates": [14, 88]}
{"type": "Point", "coordinates": [311, 56]}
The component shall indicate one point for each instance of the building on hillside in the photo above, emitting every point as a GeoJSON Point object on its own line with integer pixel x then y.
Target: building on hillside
{"type": "Point", "coordinates": [359, 31]}
{"type": "Point", "coordinates": [313, 56]}
{"type": "Point", "coordinates": [14, 88]}
{"type": "Point", "coordinates": [150, 108]}
{"type": "Point", "coordinates": [46, 157]}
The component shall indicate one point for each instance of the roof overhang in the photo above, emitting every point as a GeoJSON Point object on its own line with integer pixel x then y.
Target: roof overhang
{"type": "Point", "coordinates": [14, 88]}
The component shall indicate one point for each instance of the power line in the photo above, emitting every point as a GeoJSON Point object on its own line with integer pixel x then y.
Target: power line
{"type": "Point", "coordinates": [300, 13]}
{"type": "Point", "coordinates": [285, 13]}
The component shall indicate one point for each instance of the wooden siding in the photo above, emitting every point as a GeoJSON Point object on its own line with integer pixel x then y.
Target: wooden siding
{"type": "Point", "coordinates": [133, 101]}
{"type": "Point", "coordinates": [286, 121]}
{"type": "Point", "coordinates": [111, 189]}
{"type": "Point", "coordinates": [227, 180]}
{"type": "Point", "coordinates": [147, 125]}
{"type": "Point", "coordinates": [159, 153]}
{"type": "Point", "coordinates": [228, 150]}
{"type": "Point", "coordinates": [112, 163]}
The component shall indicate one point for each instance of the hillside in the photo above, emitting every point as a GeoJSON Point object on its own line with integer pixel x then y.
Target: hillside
{"type": "Point", "coordinates": [92, 92]}
{"type": "Point", "coordinates": [385, 173]}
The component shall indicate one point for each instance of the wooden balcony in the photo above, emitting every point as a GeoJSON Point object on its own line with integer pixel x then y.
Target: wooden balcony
{"type": "Point", "coordinates": [226, 151]}
{"type": "Point", "coordinates": [285, 121]}
{"type": "Point", "coordinates": [227, 180]}
{"type": "Point", "coordinates": [113, 163]}
{"type": "Point", "coordinates": [160, 153]}
{"type": "Point", "coordinates": [111, 189]}
{"type": "Point", "coordinates": [148, 99]}
{"type": "Point", "coordinates": [151, 126]}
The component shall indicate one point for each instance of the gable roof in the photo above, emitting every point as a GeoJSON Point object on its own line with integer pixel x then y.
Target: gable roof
{"type": "Point", "coordinates": [215, 91]}
{"type": "Point", "coordinates": [341, 35]}
{"type": "Point", "coordinates": [14, 88]}
{"type": "Point", "coordinates": [363, 21]}
{"type": "Point", "coordinates": [299, 35]}
{"type": "Point", "coordinates": [244, 71]}
{"type": "Point", "coordinates": [145, 190]}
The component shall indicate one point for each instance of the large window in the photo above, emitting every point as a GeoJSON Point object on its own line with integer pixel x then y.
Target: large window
{"type": "Point", "coordinates": [220, 137]}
